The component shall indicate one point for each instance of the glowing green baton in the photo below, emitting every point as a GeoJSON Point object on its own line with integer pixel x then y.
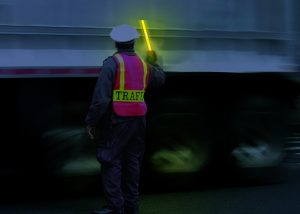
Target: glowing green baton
{"type": "Point", "coordinates": [143, 23]}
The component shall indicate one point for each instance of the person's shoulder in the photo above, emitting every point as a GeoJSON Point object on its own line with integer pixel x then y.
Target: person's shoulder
{"type": "Point", "coordinates": [109, 64]}
{"type": "Point", "coordinates": [109, 61]}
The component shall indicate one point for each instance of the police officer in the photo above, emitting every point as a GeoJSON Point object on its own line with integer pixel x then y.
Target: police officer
{"type": "Point", "coordinates": [118, 108]}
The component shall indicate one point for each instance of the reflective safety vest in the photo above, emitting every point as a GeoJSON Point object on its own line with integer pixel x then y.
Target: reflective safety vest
{"type": "Point", "coordinates": [130, 84]}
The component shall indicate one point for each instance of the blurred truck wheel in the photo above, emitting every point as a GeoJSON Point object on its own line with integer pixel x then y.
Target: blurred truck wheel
{"type": "Point", "coordinates": [258, 133]}
{"type": "Point", "coordinates": [180, 145]}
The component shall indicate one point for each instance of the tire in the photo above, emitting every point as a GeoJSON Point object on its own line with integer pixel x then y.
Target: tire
{"type": "Point", "coordinates": [258, 133]}
{"type": "Point", "coordinates": [178, 152]}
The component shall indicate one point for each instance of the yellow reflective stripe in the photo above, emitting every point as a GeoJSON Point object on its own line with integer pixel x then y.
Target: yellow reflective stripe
{"type": "Point", "coordinates": [122, 71]}
{"type": "Point", "coordinates": [145, 74]}
{"type": "Point", "coordinates": [128, 95]}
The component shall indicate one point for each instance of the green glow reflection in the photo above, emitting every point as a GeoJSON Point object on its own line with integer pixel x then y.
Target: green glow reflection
{"type": "Point", "coordinates": [179, 159]}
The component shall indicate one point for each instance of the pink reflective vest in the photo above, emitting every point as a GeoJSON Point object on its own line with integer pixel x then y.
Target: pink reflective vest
{"type": "Point", "coordinates": [130, 84]}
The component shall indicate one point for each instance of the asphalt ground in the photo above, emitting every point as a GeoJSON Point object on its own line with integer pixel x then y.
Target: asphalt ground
{"type": "Point", "coordinates": [277, 198]}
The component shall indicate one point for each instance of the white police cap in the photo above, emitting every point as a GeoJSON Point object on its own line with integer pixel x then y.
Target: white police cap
{"type": "Point", "coordinates": [124, 33]}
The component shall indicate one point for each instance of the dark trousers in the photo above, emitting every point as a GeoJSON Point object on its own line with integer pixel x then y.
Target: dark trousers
{"type": "Point", "coordinates": [120, 157]}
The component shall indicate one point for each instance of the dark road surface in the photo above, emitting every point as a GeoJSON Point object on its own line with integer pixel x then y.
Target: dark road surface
{"type": "Point", "coordinates": [279, 198]}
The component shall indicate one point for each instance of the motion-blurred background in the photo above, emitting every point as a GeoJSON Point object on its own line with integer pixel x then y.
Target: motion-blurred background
{"type": "Point", "coordinates": [229, 108]}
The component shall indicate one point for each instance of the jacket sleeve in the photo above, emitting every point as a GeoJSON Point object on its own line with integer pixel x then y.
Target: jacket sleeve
{"type": "Point", "coordinates": [102, 96]}
{"type": "Point", "coordinates": [157, 76]}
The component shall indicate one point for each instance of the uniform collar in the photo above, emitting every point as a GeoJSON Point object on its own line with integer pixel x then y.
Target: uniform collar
{"type": "Point", "coordinates": [126, 51]}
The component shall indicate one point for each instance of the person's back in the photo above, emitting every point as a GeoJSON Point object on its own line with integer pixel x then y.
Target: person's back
{"type": "Point", "coordinates": [118, 106]}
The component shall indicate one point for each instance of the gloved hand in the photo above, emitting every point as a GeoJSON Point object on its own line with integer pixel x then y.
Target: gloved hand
{"type": "Point", "coordinates": [91, 132]}
{"type": "Point", "coordinates": [151, 57]}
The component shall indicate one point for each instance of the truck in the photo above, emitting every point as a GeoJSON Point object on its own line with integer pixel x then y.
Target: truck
{"type": "Point", "coordinates": [228, 107]}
